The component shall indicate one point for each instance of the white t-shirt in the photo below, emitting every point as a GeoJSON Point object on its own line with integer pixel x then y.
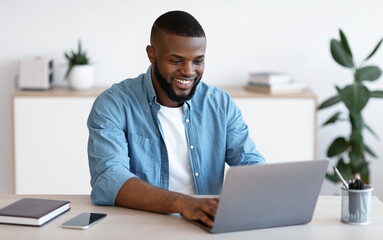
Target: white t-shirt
{"type": "Point", "coordinates": [180, 172]}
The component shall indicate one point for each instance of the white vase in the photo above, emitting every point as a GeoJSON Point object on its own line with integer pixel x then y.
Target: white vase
{"type": "Point", "coordinates": [81, 77]}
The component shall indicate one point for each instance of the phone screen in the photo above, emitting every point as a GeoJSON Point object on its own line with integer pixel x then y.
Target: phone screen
{"type": "Point", "coordinates": [84, 220]}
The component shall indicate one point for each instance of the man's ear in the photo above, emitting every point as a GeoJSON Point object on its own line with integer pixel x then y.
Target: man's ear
{"type": "Point", "coordinates": [151, 54]}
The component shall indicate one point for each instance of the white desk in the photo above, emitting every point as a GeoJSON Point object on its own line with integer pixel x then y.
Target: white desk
{"type": "Point", "coordinates": [122, 223]}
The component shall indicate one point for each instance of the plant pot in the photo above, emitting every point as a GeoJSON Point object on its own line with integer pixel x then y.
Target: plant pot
{"type": "Point", "coordinates": [81, 77]}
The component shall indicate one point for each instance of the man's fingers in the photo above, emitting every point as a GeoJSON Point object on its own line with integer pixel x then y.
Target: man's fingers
{"type": "Point", "coordinates": [213, 202]}
{"type": "Point", "coordinates": [204, 218]}
{"type": "Point", "coordinates": [209, 210]}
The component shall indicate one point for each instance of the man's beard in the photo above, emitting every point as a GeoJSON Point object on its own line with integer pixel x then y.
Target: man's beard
{"type": "Point", "coordinates": [168, 87]}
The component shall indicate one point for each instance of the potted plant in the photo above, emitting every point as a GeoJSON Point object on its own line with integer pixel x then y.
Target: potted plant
{"type": "Point", "coordinates": [352, 153]}
{"type": "Point", "coordinates": [80, 72]}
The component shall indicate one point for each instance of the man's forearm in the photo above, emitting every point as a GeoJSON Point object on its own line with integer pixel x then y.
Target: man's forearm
{"type": "Point", "coordinates": [138, 194]}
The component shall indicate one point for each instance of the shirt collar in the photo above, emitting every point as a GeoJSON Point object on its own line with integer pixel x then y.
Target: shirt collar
{"type": "Point", "coordinates": [150, 92]}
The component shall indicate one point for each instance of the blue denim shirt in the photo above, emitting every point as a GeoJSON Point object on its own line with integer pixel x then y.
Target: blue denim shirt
{"type": "Point", "coordinates": [126, 139]}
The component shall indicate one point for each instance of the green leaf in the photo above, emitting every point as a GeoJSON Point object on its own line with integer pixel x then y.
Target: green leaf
{"type": "Point", "coordinates": [356, 121]}
{"type": "Point", "coordinates": [329, 102]}
{"type": "Point", "coordinates": [332, 119]}
{"type": "Point", "coordinates": [375, 49]}
{"type": "Point", "coordinates": [355, 97]}
{"type": "Point", "coordinates": [369, 73]}
{"type": "Point", "coordinates": [340, 55]}
{"type": "Point", "coordinates": [68, 71]}
{"type": "Point", "coordinates": [332, 177]}
{"type": "Point", "coordinates": [356, 159]}
{"type": "Point", "coordinates": [344, 169]}
{"type": "Point", "coordinates": [371, 131]}
{"type": "Point", "coordinates": [344, 42]}
{"type": "Point", "coordinates": [356, 141]}
{"type": "Point", "coordinates": [369, 151]}
{"type": "Point", "coordinates": [79, 47]}
{"type": "Point", "coordinates": [376, 94]}
{"type": "Point", "coordinates": [338, 146]}
{"type": "Point", "coordinates": [364, 172]}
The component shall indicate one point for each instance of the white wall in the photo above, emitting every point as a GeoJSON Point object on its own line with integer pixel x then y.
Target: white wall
{"type": "Point", "coordinates": [243, 36]}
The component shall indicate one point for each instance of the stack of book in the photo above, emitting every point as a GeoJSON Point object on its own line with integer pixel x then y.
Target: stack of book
{"type": "Point", "coordinates": [274, 83]}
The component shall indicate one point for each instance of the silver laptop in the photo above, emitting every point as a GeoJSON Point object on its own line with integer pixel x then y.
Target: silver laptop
{"type": "Point", "coordinates": [271, 195]}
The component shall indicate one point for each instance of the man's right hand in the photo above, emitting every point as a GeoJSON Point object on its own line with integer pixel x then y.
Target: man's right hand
{"type": "Point", "coordinates": [202, 209]}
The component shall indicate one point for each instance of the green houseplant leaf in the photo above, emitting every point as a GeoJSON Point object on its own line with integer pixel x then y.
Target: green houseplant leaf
{"type": "Point", "coordinates": [332, 119]}
{"type": "Point", "coordinates": [332, 177]}
{"type": "Point", "coordinates": [344, 42]}
{"type": "Point", "coordinates": [357, 159]}
{"type": "Point", "coordinates": [340, 55]}
{"type": "Point", "coordinates": [369, 151]}
{"type": "Point", "coordinates": [364, 172]}
{"type": "Point", "coordinates": [338, 146]}
{"type": "Point", "coordinates": [355, 97]}
{"type": "Point", "coordinates": [374, 51]}
{"type": "Point", "coordinates": [371, 131]}
{"type": "Point", "coordinates": [329, 102]}
{"type": "Point", "coordinates": [369, 73]}
{"type": "Point", "coordinates": [376, 94]}
{"type": "Point", "coordinates": [344, 168]}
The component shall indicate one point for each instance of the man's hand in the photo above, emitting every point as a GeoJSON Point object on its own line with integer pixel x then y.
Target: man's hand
{"type": "Point", "coordinates": [199, 209]}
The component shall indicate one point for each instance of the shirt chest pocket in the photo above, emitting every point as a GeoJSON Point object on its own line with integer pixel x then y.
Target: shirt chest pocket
{"type": "Point", "coordinates": [144, 161]}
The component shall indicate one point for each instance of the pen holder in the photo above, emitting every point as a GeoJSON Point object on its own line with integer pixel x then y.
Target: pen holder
{"type": "Point", "coordinates": [356, 205]}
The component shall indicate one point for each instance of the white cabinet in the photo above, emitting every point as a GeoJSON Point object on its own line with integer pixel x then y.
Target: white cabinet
{"type": "Point", "coordinates": [283, 127]}
{"type": "Point", "coordinates": [50, 135]}
{"type": "Point", "coordinates": [50, 141]}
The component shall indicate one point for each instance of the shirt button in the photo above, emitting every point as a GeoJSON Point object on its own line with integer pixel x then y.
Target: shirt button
{"type": "Point", "coordinates": [187, 120]}
{"type": "Point", "coordinates": [191, 147]}
{"type": "Point", "coordinates": [196, 174]}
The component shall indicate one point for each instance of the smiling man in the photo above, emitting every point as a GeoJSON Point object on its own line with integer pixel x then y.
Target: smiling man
{"type": "Point", "coordinates": [157, 139]}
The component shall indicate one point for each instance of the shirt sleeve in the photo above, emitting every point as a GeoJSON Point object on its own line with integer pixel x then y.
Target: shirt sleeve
{"type": "Point", "coordinates": [107, 149]}
{"type": "Point", "coordinates": [240, 149]}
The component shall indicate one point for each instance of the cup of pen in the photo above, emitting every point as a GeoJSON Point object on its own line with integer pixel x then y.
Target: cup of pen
{"type": "Point", "coordinates": [356, 205]}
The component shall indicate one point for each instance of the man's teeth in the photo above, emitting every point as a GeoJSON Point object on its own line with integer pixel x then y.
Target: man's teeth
{"type": "Point", "coordinates": [183, 81]}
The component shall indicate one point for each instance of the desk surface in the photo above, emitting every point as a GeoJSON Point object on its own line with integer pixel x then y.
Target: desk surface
{"type": "Point", "coordinates": [122, 223]}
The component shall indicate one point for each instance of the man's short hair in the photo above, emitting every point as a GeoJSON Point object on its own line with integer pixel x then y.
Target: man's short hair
{"type": "Point", "coordinates": [179, 23]}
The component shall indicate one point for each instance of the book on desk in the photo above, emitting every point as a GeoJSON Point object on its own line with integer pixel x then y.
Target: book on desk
{"type": "Point", "coordinates": [32, 211]}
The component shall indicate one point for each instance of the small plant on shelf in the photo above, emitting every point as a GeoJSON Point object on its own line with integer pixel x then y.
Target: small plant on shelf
{"type": "Point", "coordinates": [80, 72]}
{"type": "Point", "coordinates": [75, 59]}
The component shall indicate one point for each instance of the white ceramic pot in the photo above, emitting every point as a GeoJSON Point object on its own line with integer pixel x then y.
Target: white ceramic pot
{"type": "Point", "coordinates": [81, 77]}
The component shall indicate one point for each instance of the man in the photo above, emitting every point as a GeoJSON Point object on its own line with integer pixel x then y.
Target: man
{"type": "Point", "coordinates": [158, 138]}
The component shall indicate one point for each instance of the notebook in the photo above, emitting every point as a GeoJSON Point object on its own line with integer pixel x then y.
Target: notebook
{"type": "Point", "coordinates": [32, 211]}
{"type": "Point", "coordinates": [270, 195]}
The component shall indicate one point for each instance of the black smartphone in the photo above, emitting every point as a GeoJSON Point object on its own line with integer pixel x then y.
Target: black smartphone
{"type": "Point", "coordinates": [84, 220]}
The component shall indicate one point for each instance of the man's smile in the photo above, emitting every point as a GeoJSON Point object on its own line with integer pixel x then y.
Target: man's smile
{"type": "Point", "coordinates": [183, 83]}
